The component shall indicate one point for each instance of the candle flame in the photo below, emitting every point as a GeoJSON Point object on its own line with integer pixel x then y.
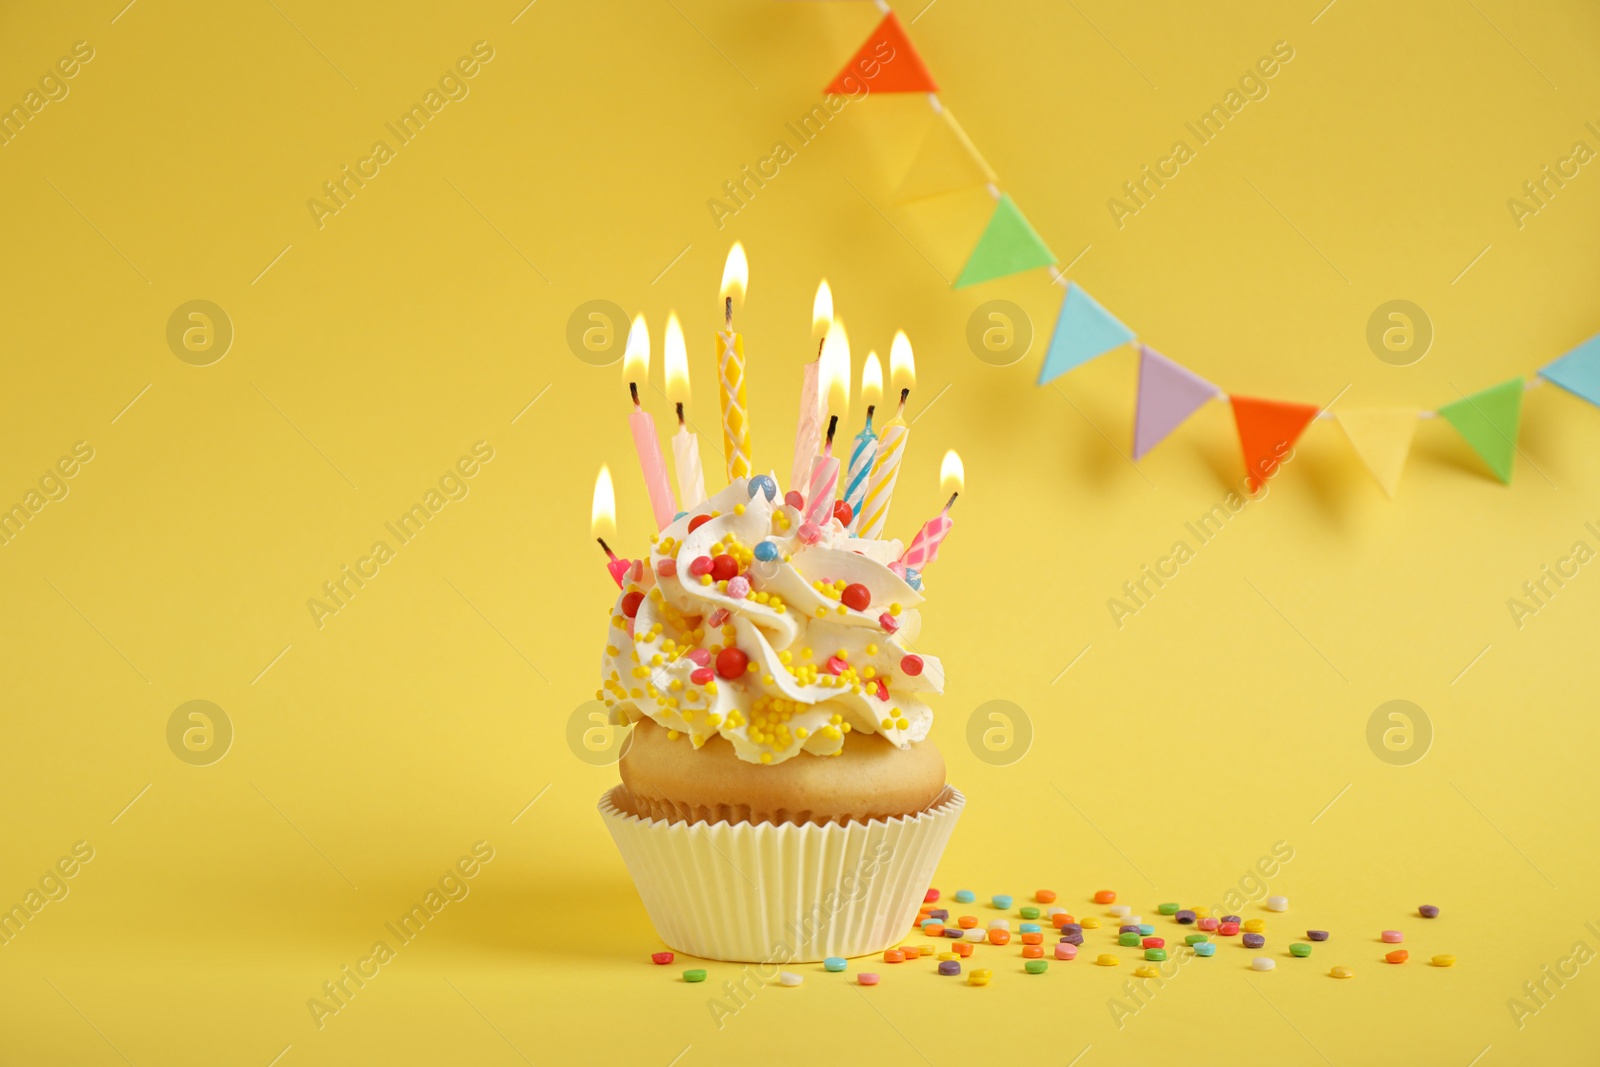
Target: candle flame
{"type": "Point", "coordinates": [902, 365]}
{"type": "Point", "coordinates": [833, 374]}
{"type": "Point", "coordinates": [821, 309]}
{"type": "Point", "coordinates": [735, 274]}
{"type": "Point", "coordinates": [872, 380]}
{"type": "Point", "coordinates": [675, 361]}
{"type": "Point", "coordinates": [636, 356]}
{"type": "Point", "coordinates": [952, 475]}
{"type": "Point", "coordinates": [603, 513]}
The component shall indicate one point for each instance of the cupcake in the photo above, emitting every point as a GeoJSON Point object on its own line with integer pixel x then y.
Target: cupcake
{"type": "Point", "coordinates": [780, 799]}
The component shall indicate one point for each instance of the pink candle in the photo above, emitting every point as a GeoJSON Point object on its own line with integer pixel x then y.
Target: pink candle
{"type": "Point", "coordinates": [616, 567]}
{"type": "Point", "coordinates": [808, 431]}
{"type": "Point", "coordinates": [648, 445]}
{"type": "Point", "coordinates": [824, 481]}
{"type": "Point", "coordinates": [925, 546]}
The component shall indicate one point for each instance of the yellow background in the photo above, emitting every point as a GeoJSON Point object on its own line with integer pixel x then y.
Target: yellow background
{"type": "Point", "coordinates": [428, 713]}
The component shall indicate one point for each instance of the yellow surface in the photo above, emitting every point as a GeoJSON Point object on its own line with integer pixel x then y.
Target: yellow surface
{"type": "Point", "coordinates": [425, 715]}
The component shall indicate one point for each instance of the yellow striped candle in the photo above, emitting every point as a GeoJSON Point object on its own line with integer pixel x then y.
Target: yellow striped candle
{"type": "Point", "coordinates": [730, 369]}
{"type": "Point", "coordinates": [891, 443]}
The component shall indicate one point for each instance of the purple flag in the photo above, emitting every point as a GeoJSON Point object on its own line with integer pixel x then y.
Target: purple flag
{"type": "Point", "coordinates": [1168, 394]}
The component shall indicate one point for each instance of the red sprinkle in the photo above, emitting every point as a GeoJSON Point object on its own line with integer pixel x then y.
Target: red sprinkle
{"type": "Point", "coordinates": [698, 521]}
{"type": "Point", "coordinates": [842, 512]}
{"type": "Point", "coordinates": [794, 499]}
{"type": "Point", "coordinates": [700, 656]}
{"type": "Point", "coordinates": [856, 596]}
{"type": "Point", "coordinates": [631, 602]}
{"type": "Point", "coordinates": [912, 665]}
{"type": "Point", "coordinates": [700, 565]}
{"type": "Point", "coordinates": [930, 896]}
{"type": "Point", "coordinates": [724, 567]}
{"type": "Point", "coordinates": [836, 665]}
{"type": "Point", "coordinates": [731, 663]}
{"type": "Point", "coordinates": [701, 675]}
{"type": "Point", "coordinates": [883, 689]}
{"type": "Point", "coordinates": [661, 957]}
{"type": "Point", "coordinates": [889, 623]}
{"type": "Point", "coordinates": [718, 617]}
{"type": "Point", "coordinates": [668, 568]}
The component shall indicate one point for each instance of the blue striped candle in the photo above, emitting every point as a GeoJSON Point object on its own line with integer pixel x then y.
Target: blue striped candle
{"type": "Point", "coordinates": [861, 459]}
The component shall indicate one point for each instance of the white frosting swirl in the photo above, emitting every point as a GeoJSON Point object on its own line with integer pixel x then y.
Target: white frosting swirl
{"type": "Point", "coordinates": [817, 669]}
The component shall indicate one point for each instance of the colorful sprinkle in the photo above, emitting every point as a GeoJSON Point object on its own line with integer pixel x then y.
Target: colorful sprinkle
{"type": "Point", "coordinates": [1399, 955]}
{"type": "Point", "coordinates": [1299, 949]}
{"type": "Point", "coordinates": [893, 955]}
{"type": "Point", "coordinates": [1106, 896]}
{"type": "Point", "coordinates": [835, 963]}
{"type": "Point", "coordinates": [1444, 960]}
{"type": "Point", "coordinates": [789, 978]}
{"type": "Point", "coordinates": [1167, 909]}
{"type": "Point", "coordinates": [1208, 923]}
{"type": "Point", "coordinates": [965, 896]}
{"type": "Point", "coordinates": [980, 976]}
{"type": "Point", "coordinates": [1106, 959]}
{"type": "Point", "coordinates": [695, 975]}
{"type": "Point", "coordinates": [1262, 963]}
{"type": "Point", "coordinates": [1156, 954]}
{"type": "Point", "coordinates": [1227, 929]}
{"type": "Point", "coordinates": [1118, 909]}
{"type": "Point", "coordinates": [1000, 901]}
{"type": "Point", "coordinates": [1036, 966]}
{"type": "Point", "coordinates": [1195, 939]}
{"type": "Point", "coordinates": [1254, 940]}
{"type": "Point", "coordinates": [1065, 951]}
{"type": "Point", "coordinates": [763, 483]}
{"type": "Point", "coordinates": [866, 978]}
{"type": "Point", "coordinates": [1393, 937]}
{"type": "Point", "coordinates": [1316, 935]}
{"type": "Point", "coordinates": [661, 958]}
{"type": "Point", "coordinates": [1146, 971]}
{"type": "Point", "coordinates": [1028, 913]}
{"type": "Point", "coordinates": [1205, 948]}
{"type": "Point", "coordinates": [1032, 952]}
{"type": "Point", "coordinates": [1342, 972]}
{"type": "Point", "coordinates": [856, 596]}
{"type": "Point", "coordinates": [998, 936]}
{"type": "Point", "coordinates": [1186, 917]}
{"type": "Point", "coordinates": [949, 967]}
{"type": "Point", "coordinates": [1277, 903]}
{"type": "Point", "coordinates": [1255, 926]}
{"type": "Point", "coordinates": [1428, 911]}
{"type": "Point", "coordinates": [1044, 896]}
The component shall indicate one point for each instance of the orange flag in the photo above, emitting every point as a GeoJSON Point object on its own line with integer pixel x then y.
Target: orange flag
{"type": "Point", "coordinates": [1268, 430]}
{"type": "Point", "coordinates": [886, 63]}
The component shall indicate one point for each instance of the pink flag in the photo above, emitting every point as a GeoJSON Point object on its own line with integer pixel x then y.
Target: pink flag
{"type": "Point", "coordinates": [1168, 394]}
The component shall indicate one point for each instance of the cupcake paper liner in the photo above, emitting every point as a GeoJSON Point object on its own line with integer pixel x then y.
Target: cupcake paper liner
{"type": "Point", "coordinates": [781, 893]}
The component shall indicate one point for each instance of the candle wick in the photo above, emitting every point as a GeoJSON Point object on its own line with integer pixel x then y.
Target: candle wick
{"type": "Point", "coordinates": [905, 394]}
{"type": "Point", "coordinates": [607, 547]}
{"type": "Point", "coordinates": [821, 344]}
{"type": "Point", "coordinates": [952, 501]}
{"type": "Point", "coordinates": [727, 312]}
{"type": "Point", "coordinates": [870, 409]}
{"type": "Point", "coordinates": [680, 415]}
{"type": "Point", "coordinates": [833, 424]}
{"type": "Point", "coordinates": [633, 391]}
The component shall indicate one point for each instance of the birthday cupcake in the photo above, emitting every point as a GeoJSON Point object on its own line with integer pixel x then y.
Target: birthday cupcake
{"type": "Point", "coordinates": [780, 798]}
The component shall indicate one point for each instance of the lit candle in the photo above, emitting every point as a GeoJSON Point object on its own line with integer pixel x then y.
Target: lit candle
{"type": "Point", "coordinates": [834, 380]}
{"type": "Point", "coordinates": [808, 431]}
{"type": "Point", "coordinates": [685, 445]}
{"type": "Point", "coordinates": [925, 546]}
{"type": "Point", "coordinates": [603, 520]}
{"type": "Point", "coordinates": [730, 368]}
{"type": "Point", "coordinates": [636, 368]}
{"type": "Point", "coordinates": [866, 446]}
{"type": "Point", "coordinates": [891, 443]}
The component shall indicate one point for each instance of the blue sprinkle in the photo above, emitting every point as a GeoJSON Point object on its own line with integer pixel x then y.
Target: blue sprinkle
{"type": "Point", "coordinates": [679, 515]}
{"type": "Point", "coordinates": [1205, 948]}
{"type": "Point", "coordinates": [914, 580]}
{"type": "Point", "coordinates": [834, 963]}
{"type": "Point", "coordinates": [1145, 929]}
{"type": "Point", "coordinates": [766, 551]}
{"type": "Point", "coordinates": [963, 896]}
{"type": "Point", "coordinates": [763, 483]}
{"type": "Point", "coordinates": [1028, 928]}
{"type": "Point", "coordinates": [1002, 902]}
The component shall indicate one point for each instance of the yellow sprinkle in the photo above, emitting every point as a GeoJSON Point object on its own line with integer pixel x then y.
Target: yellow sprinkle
{"type": "Point", "coordinates": [766, 757]}
{"type": "Point", "coordinates": [894, 609]}
{"type": "Point", "coordinates": [738, 509]}
{"type": "Point", "coordinates": [673, 735]}
{"type": "Point", "coordinates": [872, 650]}
{"type": "Point", "coordinates": [904, 725]}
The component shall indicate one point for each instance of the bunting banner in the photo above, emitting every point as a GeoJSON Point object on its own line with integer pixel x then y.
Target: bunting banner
{"type": "Point", "coordinates": [1168, 395]}
{"type": "Point", "coordinates": [1489, 421]}
{"type": "Point", "coordinates": [1008, 246]}
{"type": "Point", "coordinates": [947, 162]}
{"type": "Point", "coordinates": [1083, 331]}
{"type": "Point", "coordinates": [1578, 372]}
{"type": "Point", "coordinates": [1268, 430]}
{"type": "Point", "coordinates": [1382, 438]}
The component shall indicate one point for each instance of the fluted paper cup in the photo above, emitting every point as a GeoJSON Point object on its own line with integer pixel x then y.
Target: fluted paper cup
{"type": "Point", "coordinates": [764, 893]}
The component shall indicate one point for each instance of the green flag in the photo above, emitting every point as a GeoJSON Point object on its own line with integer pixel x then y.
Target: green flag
{"type": "Point", "coordinates": [1489, 420]}
{"type": "Point", "coordinates": [1008, 246]}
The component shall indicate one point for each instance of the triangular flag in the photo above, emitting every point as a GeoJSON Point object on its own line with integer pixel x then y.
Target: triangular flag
{"type": "Point", "coordinates": [1578, 372]}
{"type": "Point", "coordinates": [1168, 394]}
{"type": "Point", "coordinates": [947, 162]}
{"type": "Point", "coordinates": [1008, 246]}
{"type": "Point", "coordinates": [1084, 330]}
{"type": "Point", "coordinates": [1382, 438]}
{"type": "Point", "coordinates": [885, 63]}
{"type": "Point", "coordinates": [1489, 420]}
{"type": "Point", "coordinates": [1268, 430]}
